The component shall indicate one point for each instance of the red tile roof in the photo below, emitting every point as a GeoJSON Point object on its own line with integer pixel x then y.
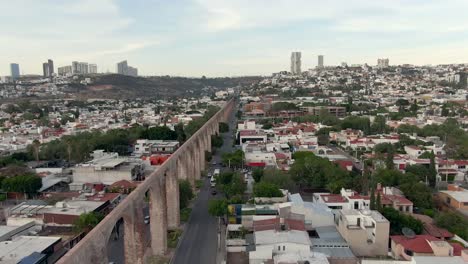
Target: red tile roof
{"type": "Point", "coordinates": [457, 249]}
{"type": "Point", "coordinates": [333, 198]}
{"type": "Point", "coordinates": [266, 224]}
{"type": "Point", "coordinates": [292, 224]}
{"type": "Point", "coordinates": [435, 231]}
{"type": "Point", "coordinates": [418, 244]}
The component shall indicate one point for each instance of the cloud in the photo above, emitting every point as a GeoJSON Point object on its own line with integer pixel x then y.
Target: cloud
{"type": "Point", "coordinates": [341, 15]}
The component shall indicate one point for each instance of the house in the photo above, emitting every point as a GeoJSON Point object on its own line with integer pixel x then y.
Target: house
{"type": "Point", "coordinates": [108, 168]}
{"type": "Point", "coordinates": [407, 247]}
{"type": "Point", "coordinates": [365, 231]}
{"type": "Point", "coordinates": [414, 151]}
{"type": "Point", "coordinates": [349, 199]}
{"type": "Point", "coordinates": [455, 197]}
{"type": "Point", "coordinates": [286, 246]}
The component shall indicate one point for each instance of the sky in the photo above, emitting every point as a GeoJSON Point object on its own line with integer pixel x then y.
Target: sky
{"type": "Point", "coordinates": [229, 37]}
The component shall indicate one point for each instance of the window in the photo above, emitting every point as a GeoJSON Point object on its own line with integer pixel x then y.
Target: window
{"type": "Point", "coordinates": [284, 248]}
{"type": "Point", "coordinates": [279, 248]}
{"type": "Point", "coordinates": [448, 200]}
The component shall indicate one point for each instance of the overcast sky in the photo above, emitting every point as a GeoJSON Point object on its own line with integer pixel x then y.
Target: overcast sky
{"type": "Point", "coordinates": [229, 38]}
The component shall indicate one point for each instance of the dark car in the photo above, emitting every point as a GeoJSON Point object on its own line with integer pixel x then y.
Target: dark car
{"type": "Point", "coordinates": [213, 192]}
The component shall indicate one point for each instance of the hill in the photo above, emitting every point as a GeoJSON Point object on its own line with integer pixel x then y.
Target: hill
{"type": "Point", "coordinates": [115, 86]}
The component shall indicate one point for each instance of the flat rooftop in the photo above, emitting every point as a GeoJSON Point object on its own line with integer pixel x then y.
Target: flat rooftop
{"type": "Point", "coordinates": [11, 252]}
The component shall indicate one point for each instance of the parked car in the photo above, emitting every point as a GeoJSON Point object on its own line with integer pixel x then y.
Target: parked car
{"type": "Point", "coordinates": [147, 219]}
{"type": "Point", "coordinates": [213, 163]}
{"type": "Point", "coordinates": [213, 192]}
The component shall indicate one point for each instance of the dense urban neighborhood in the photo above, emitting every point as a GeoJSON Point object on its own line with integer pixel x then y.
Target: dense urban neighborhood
{"type": "Point", "coordinates": [344, 164]}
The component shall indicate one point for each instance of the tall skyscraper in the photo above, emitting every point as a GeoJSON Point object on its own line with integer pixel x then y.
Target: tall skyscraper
{"type": "Point", "coordinates": [45, 69]}
{"type": "Point", "coordinates": [320, 61]}
{"type": "Point", "coordinates": [382, 63]}
{"type": "Point", "coordinates": [75, 67]}
{"type": "Point", "coordinates": [51, 66]}
{"type": "Point", "coordinates": [15, 71]}
{"type": "Point", "coordinates": [122, 67]}
{"type": "Point", "coordinates": [296, 63]}
{"type": "Point", "coordinates": [65, 70]}
{"type": "Point", "coordinates": [132, 71]}
{"type": "Point", "coordinates": [92, 68]}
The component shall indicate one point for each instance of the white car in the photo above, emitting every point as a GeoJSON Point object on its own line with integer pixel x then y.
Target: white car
{"type": "Point", "coordinates": [147, 219]}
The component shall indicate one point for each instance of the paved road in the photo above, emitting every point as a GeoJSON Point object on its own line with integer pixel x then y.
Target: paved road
{"type": "Point", "coordinates": [357, 163]}
{"type": "Point", "coordinates": [200, 241]}
{"type": "Point", "coordinates": [115, 248]}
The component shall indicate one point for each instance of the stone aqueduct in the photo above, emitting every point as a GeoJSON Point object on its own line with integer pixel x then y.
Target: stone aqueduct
{"type": "Point", "coordinates": [163, 189]}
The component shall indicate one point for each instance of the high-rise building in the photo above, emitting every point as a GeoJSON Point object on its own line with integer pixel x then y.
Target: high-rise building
{"type": "Point", "coordinates": [382, 63]}
{"type": "Point", "coordinates": [75, 67]}
{"type": "Point", "coordinates": [15, 71]}
{"type": "Point", "coordinates": [122, 67]}
{"type": "Point", "coordinates": [65, 70]}
{"type": "Point", "coordinates": [51, 66]}
{"type": "Point", "coordinates": [320, 61]}
{"type": "Point", "coordinates": [45, 69]}
{"type": "Point", "coordinates": [296, 63]}
{"type": "Point", "coordinates": [92, 68]}
{"type": "Point", "coordinates": [83, 68]}
{"type": "Point", "coordinates": [132, 71]}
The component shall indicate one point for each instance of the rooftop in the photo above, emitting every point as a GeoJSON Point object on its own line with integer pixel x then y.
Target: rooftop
{"type": "Point", "coordinates": [274, 237]}
{"type": "Point", "coordinates": [23, 246]}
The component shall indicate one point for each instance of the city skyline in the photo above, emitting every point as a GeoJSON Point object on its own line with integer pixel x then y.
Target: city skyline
{"type": "Point", "coordinates": [226, 38]}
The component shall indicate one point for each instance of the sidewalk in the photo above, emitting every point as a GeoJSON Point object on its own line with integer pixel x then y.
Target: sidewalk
{"type": "Point", "coordinates": [221, 255]}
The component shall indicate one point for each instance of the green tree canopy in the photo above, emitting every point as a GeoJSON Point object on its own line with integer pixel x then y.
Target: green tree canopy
{"type": "Point", "coordinates": [28, 183]}
{"type": "Point", "coordinates": [399, 220]}
{"type": "Point", "coordinates": [266, 189]}
{"type": "Point", "coordinates": [315, 172]}
{"type": "Point", "coordinates": [218, 207]}
{"type": "Point", "coordinates": [185, 193]}
{"type": "Point", "coordinates": [87, 221]}
{"type": "Point", "coordinates": [419, 194]}
{"type": "Point", "coordinates": [223, 127]}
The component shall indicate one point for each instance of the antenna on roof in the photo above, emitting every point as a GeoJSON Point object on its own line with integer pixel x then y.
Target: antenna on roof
{"type": "Point", "coordinates": [408, 232]}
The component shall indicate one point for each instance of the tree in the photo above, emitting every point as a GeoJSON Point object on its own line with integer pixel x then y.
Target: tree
{"type": "Point", "coordinates": [179, 129]}
{"type": "Point", "coordinates": [432, 171]}
{"type": "Point", "coordinates": [160, 133]}
{"type": "Point", "coordinates": [378, 203]}
{"type": "Point", "coordinates": [323, 136]}
{"type": "Point", "coordinates": [185, 193]}
{"type": "Point", "coordinates": [36, 144]}
{"type": "Point", "coordinates": [389, 164]}
{"type": "Point", "coordinates": [257, 174]}
{"type": "Point", "coordinates": [87, 221]}
{"type": "Point", "coordinates": [28, 183]}
{"type": "Point", "coordinates": [223, 127]}
{"type": "Point", "coordinates": [383, 148]}
{"type": "Point", "coordinates": [372, 199]}
{"type": "Point", "coordinates": [419, 193]}
{"type": "Point", "coordinates": [233, 158]}
{"type": "Point", "coordinates": [280, 106]}
{"type": "Point", "coordinates": [277, 177]}
{"type": "Point", "coordinates": [266, 189]}
{"type": "Point", "coordinates": [216, 141]}
{"type": "Point", "coordinates": [237, 186]}
{"type": "Point", "coordinates": [453, 222]}
{"type": "Point", "coordinates": [399, 220]}
{"type": "Point", "coordinates": [379, 125]}
{"type": "Point", "coordinates": [312, 171]}
{"type": "Point", "coordinates": [420, 171]}
{"type": "Point", "coordinates": [218, 207]}
{"type": "Point", "coordinates": [388, 177]}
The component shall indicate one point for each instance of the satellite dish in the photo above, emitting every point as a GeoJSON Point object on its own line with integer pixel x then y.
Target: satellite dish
{"type": "Point", "coordinates": [408, 232]}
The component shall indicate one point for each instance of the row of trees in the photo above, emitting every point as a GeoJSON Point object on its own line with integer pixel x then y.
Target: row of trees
{"type": "Point", "coordinates": [28, 183]}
